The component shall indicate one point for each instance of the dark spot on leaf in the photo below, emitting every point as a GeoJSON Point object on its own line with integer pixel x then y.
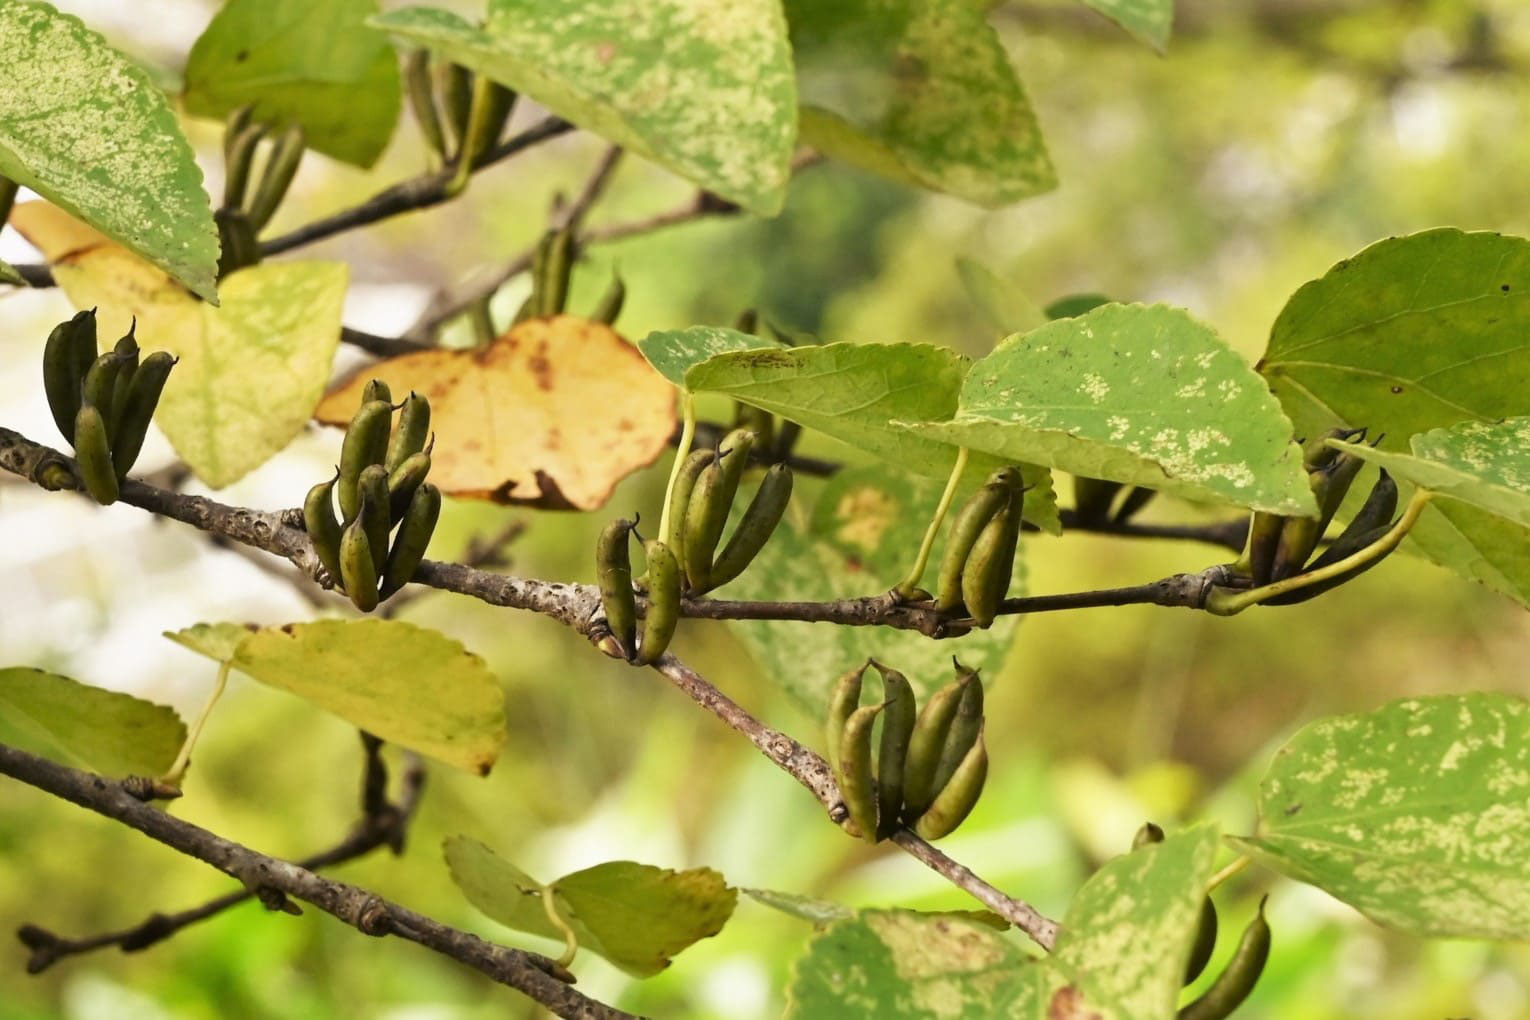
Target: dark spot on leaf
{"type": "Point", "coordinates": [241, 56]}
{"type": "Point", "coordinates": [1397, 389]}
{"type": "Point", "coordinates": [1068, 1004]}
{"type": "Point", "coordinates": [1504, 288]}
{"type": "Point", "coordinates": [1293, 809]}
{"type": "Point", "coordinates": [287, 628]}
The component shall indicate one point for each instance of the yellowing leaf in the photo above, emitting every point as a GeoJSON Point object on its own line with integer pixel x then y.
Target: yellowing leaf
{"type": "Point", "coordinates": [104, 731]}
{"type": "Point", "coordinates": [552, 414]}
{"type": "Point", "coordinates": [250, 371]}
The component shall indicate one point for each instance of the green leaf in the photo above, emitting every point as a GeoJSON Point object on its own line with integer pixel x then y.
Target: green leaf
{"type": "Point", "coordinates": [301, 62]}
{"type": "Point", "coordinates": [85, 128]}
{"type": "Point", "coordinates": [1413, 333]}
{"type": "Point", "coordinates": [673, 352]}
{"type": "Point", "coordinates": [1073, 305]}
{"type": "Point", "coordinates": [1478, 523]}
{"type": "Point", "coordinates": [1121, 954]}
{"type": "Point", "coordinates": [635, 915]}
{"type": "Point", "coordinates": [1134, 394]}
{"type": "Point", "coordinates": [8, 274]}
{"type": "Point", "coordinates": [87, 727]}
{"type": "Point", "coordinates": [409, 685]}
{"type": "Point", "coordinates": [860, 540]}
{"type": "Point", "coordinates": [251, 371]}
{"type": "Point", "coordinates": [1415, 814]}
{"type": "Point", "coordinates": [1004, 306]}
{"type": "Point", "coordinates": [920, 91]}
{"type": "Point", "coordinates": [704, 91]}
{"type": "Point", "coordinates": [1148, 20]}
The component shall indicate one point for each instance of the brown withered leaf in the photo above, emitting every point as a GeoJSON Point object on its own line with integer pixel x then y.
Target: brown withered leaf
{"type": "Point", "coordinates": [552, 414]}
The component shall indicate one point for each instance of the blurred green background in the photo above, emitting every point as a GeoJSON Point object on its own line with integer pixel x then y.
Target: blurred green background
{"type": "Point", "coordinates": [1274, 138]}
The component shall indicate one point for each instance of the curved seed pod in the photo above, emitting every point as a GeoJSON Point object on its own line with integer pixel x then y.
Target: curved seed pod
{"type": "Point", "coordinates": [1263, 536]}
{"type": "Point", "coordinates": [755, 527]}
{"type": "Point", "coordinates": [1341, 475]}
{"type": "Point", "coordinates": [127, 353]}
{"type": "Point", "coordinates": [557, 266]}
{"type": "Point", "coordinates": [99, 385]}
{"type": "Point", "coordinates": [376, 389]}
{"type": "Point", "coordinates": [1136, 498]}
{"type": "Point", "coordinates": [456, 88]}
{"type": "Point", "coordinates": [856, 787]}
{"type": "Point", "coordinates": [276, 178]}
{"type": "Point", "coordinates": [1312, 591]}
{"type": "Point", "coordinates": [238, 154]}
{"type": "Point", "coordinates": [238, 119]}
{"type": "Point", "coordinates": [965, 727]}
{"type": "Point", "coordinates": [1205, 941]}
{"type": "Point", "coordinates": [892, 753]}
{"type": "Point", "coordinates": [366, 442]}
{"type": "Point", "coordinates": [1092, 498]}
{"type": "Point", "coordinates": [403, 480]}
{"type": "Point", "coordinates": [663, 603]}
{"type": "Point", "coordinates": [757, 420]}
{"type": "Point", "coordinates": [62, 375]}
{"type": "Point", "coordinates": [138, 409]}
{"type": "Point", "coordinates": [707, 513]}
{"type": "Point", "coordinates": [413, 538]}
{"type": "Point", "coordinates": [958, 796]}
{"type": "Point", "coordinates": [680, 499]}
{"type": "Point", "coordinates": [1149, 834]}
{"type": "Point", "coordinates": [1376, 512]}
{"type": "Point", "coordinates": [322, 526]}
{"type": "Point", "coordinates": [1299, 535]}
{"type": "Point", "coordinates": [974, 515]}
{"type": "Point", "coordinates": [413, 428]}
{"type": "Point", "coordinates": [926, 744]}
{"type": "Point", "coordinates": [610, 304]}
{"type": "Point", "coordinates": [237, 246]}
{"type": "Point", "coordinates": [93, 454]}
{"type": "Point", "coordinates": [358, 570]}
{"type": "Point", "coordinates": [613, 569]}
{"type": "Point", "coordinates": [1238, 978]}
{"type": "Point", "coordinates": [422, 100]}
{"type": "Point", "coordinates": [985, 577]}
{"type": "Point", "coordinates": [373, 512]}
{"type": "Point", "coordinates": [842, 704]}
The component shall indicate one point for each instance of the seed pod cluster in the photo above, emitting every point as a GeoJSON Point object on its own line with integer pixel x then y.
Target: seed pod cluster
{"type": "Point", "coordinates": [980, 550]}
{"type": "Point", "coordinates": [102, 403]}
{"type": "Point", "coordinates": [1281, 547]}
{"type": "Point", "coordinates": [380, 486]}
{"type": "Point", "coordinates": [442, 101]}
{"type": "Point", "coordinates": [251, 199]}
{"type": "Point", "coordinates": [702, 496]}
{"type": "Point", "coordinates": [613, 568]}
{"type": "Point", "coordinates": [923, 769]}
{"type": "Point", "coordinates": [1242, 972]}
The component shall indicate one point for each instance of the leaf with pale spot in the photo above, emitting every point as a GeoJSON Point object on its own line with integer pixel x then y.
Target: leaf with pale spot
{"type": "Point", "coordinates": [86, 129]}
{"type": "Point", "coordinates": [1415, 814]}
{"type": "Point", "coordinates": [1148, 20]}
{"type": "Point", "coordinates": [920, 91]}
{"type": "Point", "coordinates": [250, 371]}
{"type": "Point", "coordinates": [635, 915]}
{"type": "Point", "coordinates": [706, 91]}
{"type": "Point", "coordinates": [1133, 394]}
{"type": "Point", "coordinates": [673, 352]}
{"type": "Point", "coordinates": [87, 727]}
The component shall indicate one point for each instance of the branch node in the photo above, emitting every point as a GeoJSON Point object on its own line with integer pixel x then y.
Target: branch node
{"type": "Point", "coordinates": [147, 788]}
{"type": "Point", "coordinates": [372, 917]}
{"type": "Point", "coordinates": [53, 473]}
{"type": "Point", "coordinates": [273, 898]}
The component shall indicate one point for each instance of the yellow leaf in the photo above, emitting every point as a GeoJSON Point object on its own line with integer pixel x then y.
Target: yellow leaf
{"type": "Point", "coordinates": [552, 414]}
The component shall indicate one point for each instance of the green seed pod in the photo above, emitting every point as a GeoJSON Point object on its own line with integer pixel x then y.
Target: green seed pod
{"type": "Point", "coordinates": [610, 304]}
{"type": "Point", "coordinates": [238, 119]}
{"type": "Point", "coordinates": [99, 386]}
{"type": "Point", "coordinates": [551, 285]}
{"type": "Point", "coordinates": [413, 429]}
{"type": "Point", "coordinates": [974, 515]}
{"type": "Point", "coordinates": [61, 375]}
{"type": "Point", "coordinates": [126, 351]}
{"type": "Point", "coordinates": [1147, 836]}
{"type": "Point", "coordinates": [376, 389]}
{"type": "Point", "coordinates": [613, 570]}
{"type": "Point", "coordinates": [1135, 499]}
{"type": "Point", "coordinates": [958, 796]}
{"type": "Point", "coordinates": [422, 100]}
{"type": "Point", "coordinates": [892, 754]}
{"type": "Point", "coordinates": [366, 442]}
{"type": "Point", "coordinates": [413, 538]}
{"type": "Point", "coordinates": [1263, 536]}
{"type": "Point", "coordinates": [322, 526]}
{"type": "Point", "coordinates": [1342, 473]}
{"type": "Point", "coordinates": [138, 409]}
{"type": "Point", "coordinates": [663, 603]}
{"type": "Point", "coordinates": [1369, 525]}
{"type": "Point", "coordinates": [965, 727]}
{"type": "Point", "coordinates": [93, 454]}
{"type": "Point", "coordinates": [985, 577]}
{"type": "Point", "coordinates": [358, 569]}
{"type": "Point", "coordinates": [1092, 498]}
{"type": "Point", "coordinates": [281, 167]}
{"type": "Point", "coordinates": [757, 420]}
{"type": "Point", "coordinates": [927, 744]}
{"type": "Point", "coordinates": [756, 525]}
{"type": "Point", "coordinates": [1238, 978]}
{"type": "Point", "coordinates": [680, 499]}
{"type": "Point", "coordinates": [237, 246]}
{"type": "Point", "coordinates": [456, 88]}
{"type": "Point", "coordinates": [1205, 941]}
{"type": "Point", "coordinates": [842, 704]}
{"type": "Point", "coordinates": [402, 482]}
{"type": "Point", "coordinates": [238, 155]}
{"type": "Point", "coordinates": [373, 512]}
{"type": "Point", "coordinates": [856, 786]}
{"type": "Point", "coordinates": [707, 513]}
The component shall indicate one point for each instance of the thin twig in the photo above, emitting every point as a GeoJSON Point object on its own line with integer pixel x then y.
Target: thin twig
{"type": "Point", "coordinates": [274, 880]}
{"type": "Point", "coordinates": [571, 217]}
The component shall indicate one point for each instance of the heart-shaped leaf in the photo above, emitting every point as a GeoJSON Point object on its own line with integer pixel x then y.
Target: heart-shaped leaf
{"type": "Point", "coordinates": [86, 129]}
{"type": "Point", "coordinates": [103, 731]}
{"type": "Point", "coordinates": [513, 421]}
{"type": "Point", "coordinates": [635, 915]}
{"type": "Point", "coordinates": [1415, 814]}
{"type": "Point", "coordinates": [707, 93]}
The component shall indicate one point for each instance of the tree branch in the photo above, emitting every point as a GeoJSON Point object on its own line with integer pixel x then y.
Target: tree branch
{"type": "Point", "coordinates": [273, 880]}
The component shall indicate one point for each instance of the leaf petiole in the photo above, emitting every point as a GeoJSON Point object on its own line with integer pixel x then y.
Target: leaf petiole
{"type": "Point", "coordinates": [909, 583]}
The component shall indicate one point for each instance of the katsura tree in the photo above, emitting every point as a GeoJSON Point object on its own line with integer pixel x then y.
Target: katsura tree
{"type": "Point", "coordinates": [1391, 409]}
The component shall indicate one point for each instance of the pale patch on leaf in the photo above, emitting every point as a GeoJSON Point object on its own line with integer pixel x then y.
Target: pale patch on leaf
{"type": "Point", "coordinates": [552, 414]}
{"type": "Point", "coordinates": [86, 129]}
{"type": "Point", "coordinates": [673, 352]}
{"type": "Point", "coordinates": [250, 371]}
{"type": "Point", "coordinates": [635, 915]}
{"type": "Point", "coordinates": [705, 91]}
{"type": "Point", "coordinates": [1133, 394]}
{"type": "Point", "coordinates": [1415, 814]}
{"type": "Point", "coordinates": [86, 727]}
